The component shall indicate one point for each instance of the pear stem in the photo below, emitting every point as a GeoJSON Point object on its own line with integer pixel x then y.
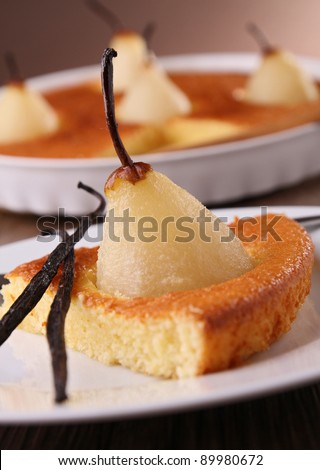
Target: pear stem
{"type": "Point", "coordinates": [260, 38]}
{"type": "Point", "coordinates": [148, 32]}
{"type": "Point", "coordinates": [12, 67]}
{"type": "Point", "coordinates": [112, 20]}
{"type": "Point", "coordinates": [108, 97]}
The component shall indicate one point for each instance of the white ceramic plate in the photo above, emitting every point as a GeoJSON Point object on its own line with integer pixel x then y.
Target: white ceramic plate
{"type": "Point", "coordinates": [99, 392]}
{"type": "Point", "coordinates": [214, 174]}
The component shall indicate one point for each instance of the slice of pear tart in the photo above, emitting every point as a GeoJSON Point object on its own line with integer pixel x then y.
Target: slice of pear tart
{"type": "Point", "coordinates": [183, 333]}
{"type": "Point", "coordinates": [188, 300]}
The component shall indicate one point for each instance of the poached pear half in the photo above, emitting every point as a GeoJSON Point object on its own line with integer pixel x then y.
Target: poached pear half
{"type": "Point", "coordinates": [157, 237]}
{"type": "Point", "coordinates": [279, 78]}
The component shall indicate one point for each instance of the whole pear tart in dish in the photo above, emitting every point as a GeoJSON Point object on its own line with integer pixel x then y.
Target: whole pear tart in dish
{"type": "Point", "coordinates": [216, 117]}
{"type": "Point", "coordinates": [159, 111]}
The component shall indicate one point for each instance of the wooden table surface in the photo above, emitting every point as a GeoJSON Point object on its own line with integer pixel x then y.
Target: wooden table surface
{"type": "Point", "coordinates": [289, 420]}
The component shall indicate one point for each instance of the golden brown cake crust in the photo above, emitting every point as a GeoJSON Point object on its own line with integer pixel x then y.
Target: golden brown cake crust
{"type": "Point", "coordinates": [237, 317]}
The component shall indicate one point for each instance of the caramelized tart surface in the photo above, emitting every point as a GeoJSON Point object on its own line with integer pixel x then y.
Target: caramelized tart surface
{"type": "Point", "coordinates": [217, 116]}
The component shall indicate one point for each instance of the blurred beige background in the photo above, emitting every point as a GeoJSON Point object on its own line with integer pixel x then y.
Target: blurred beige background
{"type": "Point", "coordinates": [48, 35]}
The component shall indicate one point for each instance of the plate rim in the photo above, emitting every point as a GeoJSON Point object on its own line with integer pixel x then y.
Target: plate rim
{"type": "Point", "coordinates": [60, 413]}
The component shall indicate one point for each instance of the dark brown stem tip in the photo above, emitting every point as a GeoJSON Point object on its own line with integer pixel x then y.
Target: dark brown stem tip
{"type": "Point", "coordinates": [108, 16]}
{"type": "Point", "coordinates": [107, 56]}
{"type": "Point", "coordinates": [148, 33]}
{"type": "Point", "coordinates": [131, 174]}
{"type": "Point", "coordinates": [260, 38]}
{"type": "Point", "coordinates": [13, 68]}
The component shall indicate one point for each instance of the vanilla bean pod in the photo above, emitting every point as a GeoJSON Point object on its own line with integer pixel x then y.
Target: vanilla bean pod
{"type": "Point", "coordinates": [56, 323]}
{"type": "Point", "coordinates": [40, 282]}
